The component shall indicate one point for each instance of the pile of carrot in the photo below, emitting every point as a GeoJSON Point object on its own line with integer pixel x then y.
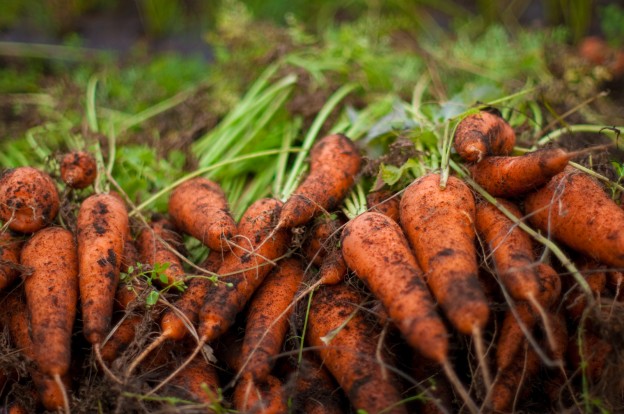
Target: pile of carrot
{"type": "Point", "coordinates": [494, 290]}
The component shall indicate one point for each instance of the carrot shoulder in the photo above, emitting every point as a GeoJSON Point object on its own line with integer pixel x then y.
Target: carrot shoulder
{"type": "Point", "coordinates": [101, 231]}
{"type": "Point", "coordinates": [374, 246]}
{"type": "Point", "coordinates": [482, 134]}
{"type": "Point", "coordinates": [334, 162]}
{"type": "Point", "coordinates": [347, 344]}
{"type": "Point", "coordinates": [52, 296]}
{"type": "Point", "coordinates": [439, 225]}
{"type": "Point", "coordinates": [575, 210]}
{"type": "Point", "coordinates": [199, 207]}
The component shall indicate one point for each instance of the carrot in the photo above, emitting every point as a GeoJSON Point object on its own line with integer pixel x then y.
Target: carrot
{"type": "Point", "coordinates": [52, 296]}
{"type": "Point", "coordinates": [559, 328]}
{"type": "Point", "coordinates": [268, 318]}
{"type": "Point", "coordinates": [121, 338]}
{"type": "Point", "coordinates": [242, 271]}
{"type": "Point", "coordinates": [267, 397]}
{"type": "Point", "coordinates": [321, 248]}
{"type": "Point", "coordinates": [511, 248]}
{"type": "Point", "coordinates": [333, 269]}
{"type": "Point", "coordinates": [384, 202]}
{"type": "Point", "coordinates": [347, 346]}
{"type": "Point", "coordinates": [199, 380]}
{"type": "Point", "coordinates": [482, 134]}
{"type": "Point", "coordinates": [52, 396]}
{"type": "Point", "coordinates": [29, 200]}
{"type": "Point", "coordinates": [575, 210]}
{"type": "Point", "coordinates": [10, 248]}
{"type": "Point", "coordinates": [315, 388]}
{"type": "Point", "coordinates": [439, 225]}
{"type": "Point", "coordinates": [130, 256]}
{"type": "Point", "coordinates": [155, 244]}
{"type": "Point", "coordinates": [78, 169]}
{"type": "Point", "coordinates": [199, 207]}
{"type": "Point", "coordinates": [516, 176]}
{"type": "Point", "coordinates": [510, 381]}
{"type": "Point", "coordinates": [334, 162]}
{"type": "Point", "coordinates": [101, 231]}
{"type": "Point", "coordinates": [374, 246]}
{"type": "Point", "coordinates": [596, 278]}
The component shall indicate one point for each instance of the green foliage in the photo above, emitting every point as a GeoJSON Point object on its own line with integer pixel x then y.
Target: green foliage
{"type": "Point", "coordinates": [151, 275]}
{"type": "Point", "coordinates": [612, 24]}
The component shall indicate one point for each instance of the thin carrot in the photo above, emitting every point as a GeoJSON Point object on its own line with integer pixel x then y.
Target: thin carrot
{"type": "Point", "coordinates": [155, 245]}
{"type": "Point", "coordinates": [101, 231]}
{"type": "Point", "coordinates": [52, 296]}
{"type": "Point", "coordinates": [482, 134]}
{"type": "Point", "coordinates": [334, 163]}
{"type": "Point", "coordinates": [199, 207]}
{"type": "Point", "coordinates": [510, 382]}
{"type": "Point", "coordinates": [347, 346]}
{"type": "Point", "coordinates": [29, 199]}
{"type": "Point", "coordinates": [10, 248]}
{"type": "Point", "coordinates": [267, 319]}
{"type": "Point", "coordinates": [439, 226]}
{"type": "Point", "coordinates": [374, 246]}
{"type": "Point", "coordinates": [575, 210]}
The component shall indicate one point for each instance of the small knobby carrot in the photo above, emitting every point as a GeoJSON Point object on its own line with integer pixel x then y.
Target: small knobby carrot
{"type": "Point", "coordinates": [374, 246]}
{"type": "Point", "coordinates": [516, 176]}
{"type": "Point", "coordinates": [155, 245]}
{"type": "Point", "coordinates": [29, 199]}
{"type": "Point", "coordinates": [574, 209]}
{"type": "Point", "coordinates": [260, 243]}
{"type": "Point", "coordinates": [268, 397]}
{"type": "Point", "coordinates": [52, 296]}
{"type": "Point", "coordinates": [78, 169]}
{"type": "Point", "coordinates": [199, 380]}
{"type": "Point", "coordinates": [333, 269]}
{"type": "Point", "coordinates": [439, 224]}
{"type": "Point", "coordinates": [268, 320]}
{"type": "Point", "coordinates": [10, 248]}
{"type": "Point", "coordinates": [384, 202]}
{"type": "Point", "coordinates": [482, 134]}
{"type": "Point", "coordinates": [199, 207]}
{"type": "Point", "coordinates": [347, 346]}
{"type": "Point", "coordinates": [101, 231]}
{"type": "Point", "coordinates": [334, 163]}
{"type": "Point", "coordinates": [322, 239]}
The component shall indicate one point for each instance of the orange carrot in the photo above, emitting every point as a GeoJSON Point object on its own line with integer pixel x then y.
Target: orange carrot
{"type": "Point", "coordinates": [374, 246]}
{"type": "Point", "coordinates": [101, 231]}
{"type": "Point", "coordinates": [596, 278]}
{"type": "Point", "coordinates": [121, 338]}
{"type": "Point", "coordinates": [511, 336]}
{"type": "Point", "coordinates": [334, 162]}
{"type": "Point", "coordinates": [439, 225]}
{"type": "Point", "coordinates": [52, 296]}
{"type": "Point", "coordinates": [333, 269]}
{"type": "Point", "coordinates": [268, 320]}
{"type": "Point", "coordinates": [130, 256]}
{"type": "Point", "coordinates": [483, 134]}
{"type": "Point", "coordinates": [511, 249]}
{"type": "Point", "coordinates": [29, 200]}
{"type": "Point", "coordinates": [516, 176]}
{"type": "Point", "coordinates": [575, 210]}
{"type": "Point", "coordinates": [315, 388]}
{"type": "Point", "coordinates": [242, 271]}
{"type": "Point", "coordinates": [199, 207]}
{"type": "Point", "coordinates": [78, 169]}
{"type": "Point", "coordinates": [509, 382]}
{"type": "Point", "coordinates": [347, 346]}
{"type": "Point", "coordinates": [384, 202]}
{"type": "Point", "coordinates": [10, 248]}
{"type": "Point", "coordinates": [199, 380]}
{"type": "Point", "coordinates": [322, 238]}
{"type": "Point", "coordinates": [267, 397]}
{"type": "Point", "coordinates": [155, 244]}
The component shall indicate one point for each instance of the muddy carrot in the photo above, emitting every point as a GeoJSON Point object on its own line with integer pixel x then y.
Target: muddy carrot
{"type": "Point", "coordinates": [482, 134]}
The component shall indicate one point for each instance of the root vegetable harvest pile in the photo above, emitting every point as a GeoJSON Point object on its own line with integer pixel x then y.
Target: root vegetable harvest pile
{"type": "Point", "coordinates": [448, 287]}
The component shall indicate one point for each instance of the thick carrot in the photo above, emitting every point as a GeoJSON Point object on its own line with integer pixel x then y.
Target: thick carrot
{"type": "Point", "coordinates": [199, 380]}
{"type": "Point", "coordinates": [101, 231]}
{"type": "Point", "coordinates": [155, 244]}
{"type": "Point", "coordinates": [384, 202]}
{"type": "Point", "coordinates": [347, 346]}
{"type": "Point", "coordinates": [575, 210]}
{"type": "Point", "coordinates": [10, 248]}
{"type": "Point", "coordinates": [29, 200]}
{"type": "Point", "coordinates": [78, 169]}
{"type": "Point", "coordinates": [439, 226]}
{"type": "Point", "coordinates": [511, 249]}
{"type": "Point", "coordinates": [374, 246]}
{"type": "Point", "coordinates": [517, 176]}
{"type": "Point", "coordinates": [334, 163]}
{"type": "Point", "coordinates": [199, 207]}
{"type": "Point", "coordinates": [268, 320]}
{"type": "Point", "coordinates": [242, 271]}
{"type": "Point", "coordinates": [268, 397]}
{"type": "Point", "coordinates": [52, 396]}
{"type": "Point", "coordinates": [52, 296]}
{"type": "Point", "coordinates": [483, 134]}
